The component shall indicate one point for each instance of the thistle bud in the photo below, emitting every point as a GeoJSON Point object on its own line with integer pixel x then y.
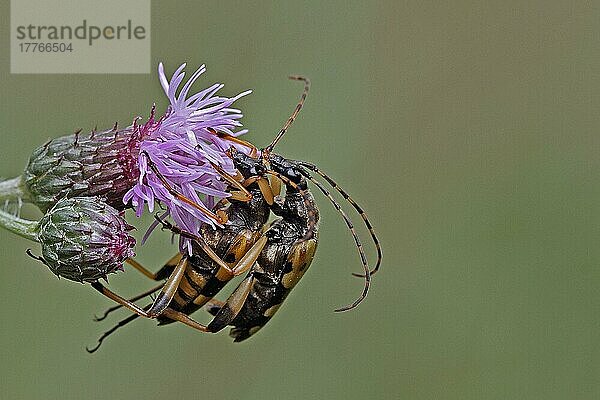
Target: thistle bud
{"type": "Point", "coordinates": [84, 239]}
{"type": "Point", "coordinates": [146, 163]}
{"type": "Point", "coordinates": [94, 164]}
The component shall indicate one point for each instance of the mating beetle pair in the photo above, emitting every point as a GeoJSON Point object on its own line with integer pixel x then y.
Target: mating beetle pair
{"type": "Point", "coordinates": [275, 256]}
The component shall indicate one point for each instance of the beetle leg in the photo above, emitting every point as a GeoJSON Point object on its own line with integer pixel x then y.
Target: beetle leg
{"type": "Point", "coordinates": [233, 139]}
{"type": "Point", "coordinates": [250, 257]}
{"type": "Point", "coordinates": [185, 319]}
{"type": "Point", "coordinates": [275, 185]}
{"type": "Point", "coordinates": [168, 290]}
{"type": "Point", "coordinates": [233, 305]}
{"type": "Point", "coordinates": [238, 195]}
{"type": "Point", "coordinates": [120, 300]}
{"type": "Point", "coordinates": [226, 311]}
{"type": "Point", "coordinates": [162, 300]}
{"type": "Point", "coordinates": [245, 195]}
{"type": "Point", "coordinates": [139, 296]}
{"type": "Point", "coordinates": [162, 273]}
{"type": "Point", "coordinates": [245, 263]}
{"type": "Point", "coordinates": [266, 190]}
{"type": "Point", "coordinates": [263, 185]}
{"type": "Point", "coordinates": [170, 313]}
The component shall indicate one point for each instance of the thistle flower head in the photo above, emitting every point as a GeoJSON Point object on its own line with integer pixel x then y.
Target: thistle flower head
{"type": "Point", "coordinates": [181, 146]}
{"type": "Point", "coordinates": [84, 239]}
{"type": "Point", "coordinates": [119, 165]}
{"type": "Point", "coordinates": [100, 164]}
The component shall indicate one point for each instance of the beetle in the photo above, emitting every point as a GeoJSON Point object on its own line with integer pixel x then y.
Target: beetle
{"type": "Point", "coordinates": [287, 254]}
{"type": "Point", "coordinates": [285, 249]}
{"type": "Point", "coordinates": [218, 255]}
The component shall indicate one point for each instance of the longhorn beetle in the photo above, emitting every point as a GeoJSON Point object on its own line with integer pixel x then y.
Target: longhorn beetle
{"type": "Point", "coordinates": [284, 251]}
{"type": "Point", "coordinates": [218, 254]}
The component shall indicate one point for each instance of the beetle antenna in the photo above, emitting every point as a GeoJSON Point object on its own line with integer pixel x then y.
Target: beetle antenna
{"type": "Point", "coordinates": [355, 205]}
{"type": "Point", "coordinates": [359, 246]}
{"type": "Point", "coordinates": [292, 117]}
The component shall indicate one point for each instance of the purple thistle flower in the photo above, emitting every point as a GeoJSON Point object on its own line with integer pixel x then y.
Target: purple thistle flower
{"type": "Point", "coordinates": [181, 145]}
{"type": "Point", "coordinates": [119, 165]}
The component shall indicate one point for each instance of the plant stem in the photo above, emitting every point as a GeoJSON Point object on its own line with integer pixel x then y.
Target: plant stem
{"type": "Point", "coordinates": [22, 227]}
{"type": "Point", "coordinates": [12, 189]}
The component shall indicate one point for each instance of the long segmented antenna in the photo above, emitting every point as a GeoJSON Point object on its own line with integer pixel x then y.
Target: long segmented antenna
{"type": "Point", "coordinates": [355, 205]}
{"type": "Point", "coordinates": [311, 210]}
{"type": "Point", "coordinates": [119, 324]}
{"type": "Point", "coordinates": [292, 117]}
{"type": "Point", "coordinates": [359, 246]}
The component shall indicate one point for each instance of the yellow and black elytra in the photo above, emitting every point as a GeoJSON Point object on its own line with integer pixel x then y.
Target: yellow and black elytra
{"type": "Point", "coordinates": [280, 257]}
{"type": "Point", "coordinates": [282, 262]}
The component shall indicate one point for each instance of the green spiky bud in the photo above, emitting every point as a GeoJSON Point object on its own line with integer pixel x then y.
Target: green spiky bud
{"type": "Point", "coordinates": [84, 239]}
{"type": "Point", "coordinates": [95, 164]}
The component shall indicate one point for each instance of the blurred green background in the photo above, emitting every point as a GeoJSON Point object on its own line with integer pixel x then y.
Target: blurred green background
{"type": "Point", "coordinates": [468, 131]}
